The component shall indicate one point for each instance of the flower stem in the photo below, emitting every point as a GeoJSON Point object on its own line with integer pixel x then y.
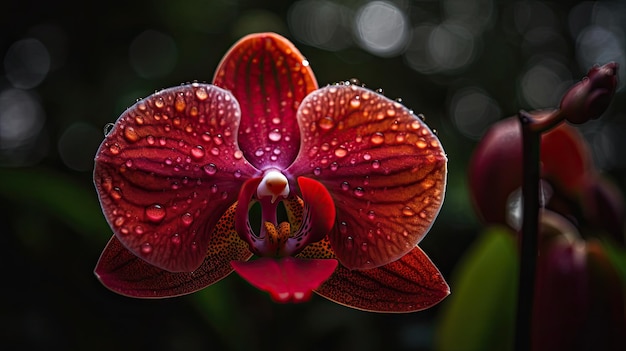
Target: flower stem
{"type": "Point", "coordinates": [531, 138]}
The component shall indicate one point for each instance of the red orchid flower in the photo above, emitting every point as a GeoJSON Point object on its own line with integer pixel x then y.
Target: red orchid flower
{"type": "Point", "coordinates": [347, 181]}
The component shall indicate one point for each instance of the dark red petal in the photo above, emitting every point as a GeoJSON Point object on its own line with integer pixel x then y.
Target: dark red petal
{"type": "Point", "coordinates": [561, 295]}
{"type": "Point", "coordinates": [410, 284]}
{"type": "Point", "coordinates": [318, 215]}
{"type": "Point", "coordinates": [287, 279]}
{"type": "Point", "coordinates": [269, 77]}
{"type": "Point", "coordinates": [384, 168]}
{"type": "Point", "coordinates": [168, 170]}
{"type": "Point", "coordinates": [125, 273]}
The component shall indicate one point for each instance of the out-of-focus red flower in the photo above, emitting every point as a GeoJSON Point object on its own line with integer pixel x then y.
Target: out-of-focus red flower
{"type": "Point", "coordinates": [495, 169]}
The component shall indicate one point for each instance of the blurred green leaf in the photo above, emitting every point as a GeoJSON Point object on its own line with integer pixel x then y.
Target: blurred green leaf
{"type": "Point", "coordinates": [617, 255]}
{"type": "Point", "coordinates": [479, 314]}
{"type": "Point", "coordinates": [74, 203]}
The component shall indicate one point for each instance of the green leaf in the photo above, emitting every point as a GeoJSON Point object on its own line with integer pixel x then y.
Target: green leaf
{"type": "Point", "coordinates": [480, 312]}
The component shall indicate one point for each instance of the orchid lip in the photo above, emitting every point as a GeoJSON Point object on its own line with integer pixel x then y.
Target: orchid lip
{"type": "Point", "coordinates": [273, 184]}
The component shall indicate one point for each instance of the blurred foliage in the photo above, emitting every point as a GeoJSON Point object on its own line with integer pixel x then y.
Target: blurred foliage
{"type": "Point", "coordinates": [52, 231]}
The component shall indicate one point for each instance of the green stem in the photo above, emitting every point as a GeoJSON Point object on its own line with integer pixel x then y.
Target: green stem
{"type": "Point", "coordinates": [531, 138]}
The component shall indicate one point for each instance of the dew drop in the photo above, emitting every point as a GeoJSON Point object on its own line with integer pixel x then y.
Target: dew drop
{"type": "Point", "coordinates": [326, 123]}
{"type": "Point", "coordinates": [202, 94]}
{"type": "Point", "coordinates": [371, 215]}
{"type": "Point", "coordinates": [343, 228]}
{"type": "Point", "coordinates": [355, 103]}
{"type": "Point", "coordinates": [341, 152]}
{"type": "Point", "coordinates": [210, 169]}
{"type": "Point", "coordinates": [377, 138]}
{"type": "Point", "coordinates": [421, 144]}
{"type": "Point", "coordinates": [275, 135]}
{"type": "Point", "coordinates": [108, 128]}
{"type": "Point", "coordinates": [197, 152]}
{"type": "Point", "coordinates": [367, 156]}
{"type": "Point", "coordinates": [407, 211]}
{"type": "Point", "coordinates": [391, 112]}
{"type": "Point", "coordinates": [345, 186]}
{"type": "Point", "coordinates": [415, 125]}
{"type": "Point", "coordinates": [358, 191]}
{"type": "Point", "coordinates": [259, 152]}
{"type": "Point", "coordinates": [150, 139]}
{"type": "Point", "coordinates": [159, 103]}
{"type": "Point", "coordinates": [364, 247]}
{"type": "Point", "coordinates": [423, 214]}
{"type": "Point", "coordinates": [139, 230]}
{"type": "Point", "coordinates": [375, 164]}
{"type": "Point", "coordinates": [175, 239]}
{"type": "Point", "coordinates": [180, 103]}
{"type": "Point", "coordinates": [129, 163]}
{"type": "Point", "coordinates": [114, 149]}
{"type": "Point", "coordinates": [155, 213]}
{"type": "Point", "coordinates": [238, 154]}
{"type": "Point", "coordinates": [237, 174]}
{"type": "Point", "coordinates": [187, 219]}
{"type": "Point", "coordinates": [118, 221]}
{"type": "Point", "coordinates": [139, 119]}
{"type": "Point", "coordinates": [116, 193]}
{"type": "Point", "coordinates": [317, 171]}
{"type": "Point", "coordinates": [146, 248]}
{"type": "Point", "coordinates": [334, 166]}
{"type": "Point", "coordinates": [130, 134]}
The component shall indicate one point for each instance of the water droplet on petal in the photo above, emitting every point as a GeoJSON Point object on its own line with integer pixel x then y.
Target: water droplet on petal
{"type": "Point", "coordinates": [116, 193]}
{"type": "Point", "coordinates": [202, 94]}
{"type": "Point", "coordinates": [155, 213]}
{"type": "Point", "coordinates": [275, 135]}
{"type": "Point", "coordinates": [326, 123]}
{"type": "Point", "coordinates": [345, 186]}
{"type": "Point", "coordinates": [108, 128]}
{"type": "Point", "coordinates": [317, 171]}
{"type": "Point", "coordinates": [130, 134]}
{"type": "Point", "coordinates": [341, 152]}
{"type": "Point", "coordinates": [210, 169]}
{"type": "Point", "coordinates": [377, 138]}
{"type": "Point", "coordinates": [358, 191]}
{"type": "Point", "coordinates": [371, 215]}
{"type": "Point", "coordinates": [175, 239]}
{"type": "Point", "coordinates": [334, 166]}
{"type": "Point", "coordinates": [146, 248]}
{"type": "Point", "coordinates": [375, 164]}
{"type": "Point", "coordinates": [197, 152]}
{"type": "Point", "coordinates": [238, 154]}
{"type": "Point", "coordinates": [159, 103]}
{"type": "Point", "coordinates": [180, 103]}
{"type": "Point", "coordinates": [407, 211]}
{"type": "Point", "coordinates": [343, 228]}
{"type": "Point", "coordinates": [187, 218]}
{"type": "Point", "coordinates": [138, 230]}
{"type": "Point", "coordinates": [355, 102]}
{"type": "Point", "coordinates": [114, 149]}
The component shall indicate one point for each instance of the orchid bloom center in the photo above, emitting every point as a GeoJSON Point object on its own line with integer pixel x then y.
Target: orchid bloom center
{"type": "Point", "coordinates": [273, 184]}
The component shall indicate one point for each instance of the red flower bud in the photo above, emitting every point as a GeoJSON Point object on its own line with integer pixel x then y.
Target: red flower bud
{"type": "Point", "coordinates": [590, 97]}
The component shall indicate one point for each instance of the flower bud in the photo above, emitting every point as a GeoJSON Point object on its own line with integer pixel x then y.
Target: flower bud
{"type": "Point", "coordinates": [590, 97]}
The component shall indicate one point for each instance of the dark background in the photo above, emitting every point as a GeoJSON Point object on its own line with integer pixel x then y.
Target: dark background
{"type": "Point", "coordinates": [68, 68]}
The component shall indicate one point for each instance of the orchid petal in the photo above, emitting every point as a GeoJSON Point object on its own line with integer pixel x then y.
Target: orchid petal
{"type": "Point", "coordinates": [318, 215]}
{"type": "Point", "coordinates": [385, 169]}
{"type": "Point", "coordinates": [287, 279]}
{"type": "Point", "coordinates": [410, 284]}
{"type": "Point", "coordinates": [269, 77]}
{"type": "Point", "coordinates": [168, 170]}
{"type": "Point", "coordinates": [123, 272]}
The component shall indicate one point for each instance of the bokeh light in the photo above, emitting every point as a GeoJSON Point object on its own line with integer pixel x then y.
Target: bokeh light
{"type": "Point", "coordinates": [21, 121]}
{"type": "Point", "coordinates": [382, 28]}
{"type": "Point", "coordinates": [321, 23]}
{"type": "Point", "coordinates": [473, 111]}
{"type": "Point", "coordinates": [26, 63]}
